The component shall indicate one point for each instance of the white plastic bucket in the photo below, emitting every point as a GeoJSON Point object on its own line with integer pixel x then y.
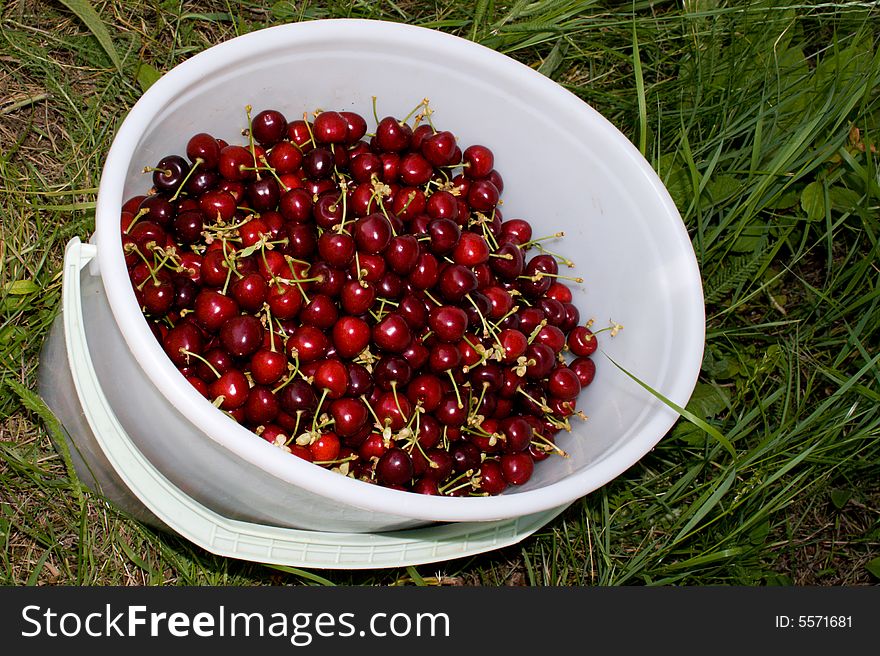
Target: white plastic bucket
{"type": "Point", "coordinates": [565, 168]}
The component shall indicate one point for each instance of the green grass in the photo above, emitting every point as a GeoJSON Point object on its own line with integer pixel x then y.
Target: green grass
{"type": "Point", "coordinates": [760, 117]}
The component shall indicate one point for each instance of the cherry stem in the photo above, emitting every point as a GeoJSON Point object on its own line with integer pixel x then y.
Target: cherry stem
{"type": "Point", "coordinates": [141, 212]}
{"type": "Point", "coordinates": [424, 104]}
{"type": "Point", "coordinates": [455, 388]}
{"type": "Point", "coordinates": [372, 412]}
{"type": "Point", "coordinates": [309, 129]}
{"type": "Point", "coordinates": [559, 257]}
{"type": "Point", "coordinates": [318, 409]}
{"type": "Point", "coordinates": [536, 240]}
{"type": "Point", "coordinates": [190, 354]}
{"type": "Point", "coordinates": [189, 173]}
{"type": "Point", "coordinates": [375, 112]}
{"type": "Point", "coordinates": [541, 404]}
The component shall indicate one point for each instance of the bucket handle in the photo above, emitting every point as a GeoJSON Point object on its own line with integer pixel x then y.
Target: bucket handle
{"type": "Point", "coordinates": [244, 540]}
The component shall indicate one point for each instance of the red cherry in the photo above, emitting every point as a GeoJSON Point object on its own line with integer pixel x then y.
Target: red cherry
{"type": "Point", "coordinates": [233, 387]}
{"type": "Point", "coordinates": [478, 161]}
{"type": "Point", "coordinates": [582, 342]}
{"type": "Point", "coordinates": [326, 448]}
{"type": "Point", "coordinates": [585, 370]}
{"type": "Point", "coordinates": [517, 468]}
{"type": "Point", "coordinates": [205, 147]}
{"type": "Point", "coordinates": [395, 467]}
{"type": "Point", "coordinates": [491, 478]}
{"type": "Point", "coordinates": [267, 366]}
{"type": "Point", "coordinates": [392, 334]}
{"type": "Point", "coordinates": [448, 322]}
{"type": "Point", "coordinates": [349, 415]}
{"type": "Point", "coordinates": [351, 335]}
{"type": "Point", "coordinates": [242, 335]}
{"type": "Point", "coordinates": [308, 344]}
{"type": "Point", "coordinates": [268, 127]}
{"type": "Point", "coordinates": [330, 128]}
{"type": "Point", "coordinates": [331, 376]}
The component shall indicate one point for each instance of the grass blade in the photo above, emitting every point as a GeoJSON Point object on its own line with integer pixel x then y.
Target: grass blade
{"type": "Point", "coordinates": [87, 14]}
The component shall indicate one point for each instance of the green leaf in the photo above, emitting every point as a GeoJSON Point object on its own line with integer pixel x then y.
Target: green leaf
{"type": "Point", "coordinates": [813, 201]}
{"type": "Point", "coordinates": [843, 199]}
{"type": "Point", "coordinates": [87, 14]}
{"type": "Point", "coordinates": [707, 400]}
{"type": "Point", "coordinates": [873, 566]}
{"type": "Point", "coordinates": [551, 64]}
{"type": "Point", "coordinates": [758, 535]}
{"type": "Point", "coordinates": [22, 287]}
{"type": "Point", "coordinates": [147, 75]}
{"type": "Point", "coordinates": [840, 497]}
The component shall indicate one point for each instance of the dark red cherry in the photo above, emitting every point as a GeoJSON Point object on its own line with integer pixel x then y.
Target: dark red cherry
{"type": "Point", "coordinates": [170, 173]}
{"type": "Point", "coordinates": [585, 370]}
{"type": "Point", "coordinates": [395, 467]}
{"type": "Point", "coordinates": [491, 478]}
{"type": "Point", "coordinates": [269, 127]}
{"type": "Point", "coordinates": [250, 291]}
{"type": "Point", "coordinates": [232, 387]}
{"type": "Point", "coordinates": [392, 334]}
{"type": "Point", "coordinates": [372, 233]}
{"type": "Point", "coordinates": [478, 161]}
{"type": "Point", "coordinates": [307, 344]}
{"type": "Point", "coordinates": [267, 366]}
{"type": "Point", "coordinates": [213, 309]}
{"type": "Point", "coordinates": [582, 342]}
{"type": "Point", "coordinates": [349, 415]}
{"type": "Point", "coordinates": [448, 322]}
{"type": "Point", "coordinates": [482, 196]}
{"type": "Point", "coordinates": [204, 147]}
{"type": "Point", "coordinates": [517, 468]}
{"type": "Point", "coordinates": [392, 135]}
{"type": "Point", "coordinates": [439, 148]}
{"type": "Point", "coordinates": [357, 126]}
{"type": "Point", "coordinates": [320, 312]}
{"type": "Point", "coordinates": [298, 396]}
{"type": "Point", "coordinates": [455, 282]}
{"type": "Point", "coordinates": [330, 128]}
{"type": "Point", "coordinates": [351, 335]}
{"type": "Point", "coordinates": [242, 335]}
{"type": "Point", "coordinates": [331, 376]}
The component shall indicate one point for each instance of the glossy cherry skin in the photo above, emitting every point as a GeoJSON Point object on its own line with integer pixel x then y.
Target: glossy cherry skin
{"type": "Point", "coordinates": [585, 370]}
{"type": "Point", "coordinates": [395, 467]}
{"type": "Point", "coordinates": [268, 127]}
{"type": "Point", "coordinates": [182, 339]}
{"type": "Point", "coordinates": [455, 282]}
{"type": "Point", "coordinates": [492, 477]}
{"type": "Point", "coordinates": [517, 468]}
{"type": "Point", "coordinates": [392, 135]}
{"type": "Point", "coordinates": [349, 415]}
{"type": "Point", "coordinates": [351, 335]}
{"type": "Point", "coordinates": [331, 377]}
{"type": "Point", "coordinates": [356, 298]}
{"type": "Point", "coordinates": [307, 344]}
{"type": "Point", "coordinates": [582, 342]}
{"type": "Point", "coordinates": [478, 161]}
{"type": "Point", "coordinates": [204, 147]}
{"type": "Point", "coordinates": [267, 366]}
{"type": "Point", "coordinates": [242, 335]}
{"type": "Point", "coordinates": [448, 322]}
{"type": "Point", "coordinates": [392, 334]}
{"type": "Point", "coordinates": [372, 233]}
{"type": "Point", "coordinates": [233, 387]}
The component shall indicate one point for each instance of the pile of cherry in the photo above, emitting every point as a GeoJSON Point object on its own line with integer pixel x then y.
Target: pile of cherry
{"type": "Point", "coordinates": [358, 301]}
